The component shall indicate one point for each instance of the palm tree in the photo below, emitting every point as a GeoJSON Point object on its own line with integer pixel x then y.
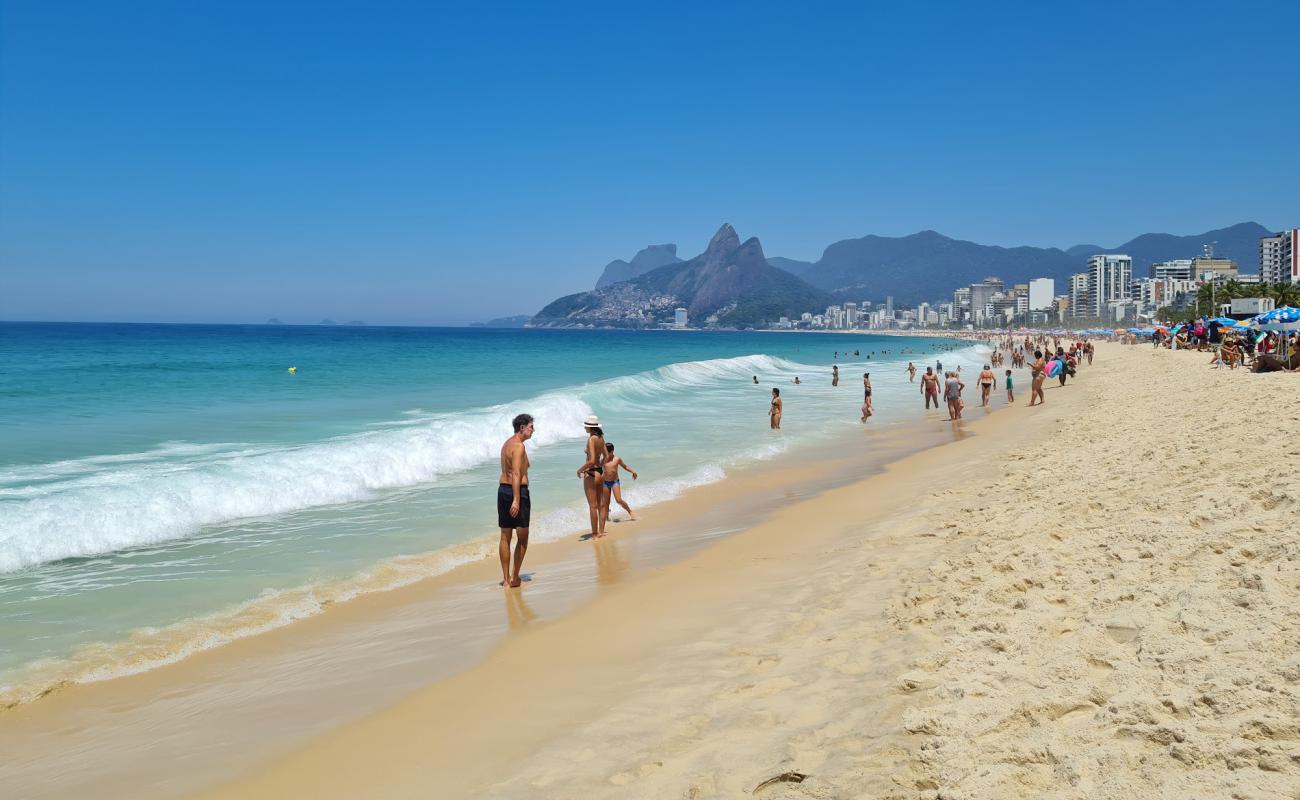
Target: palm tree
{"type": "Point", "coordinates": [1285, 294]}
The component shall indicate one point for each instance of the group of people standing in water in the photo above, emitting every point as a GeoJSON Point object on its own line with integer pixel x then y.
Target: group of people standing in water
{"type": "Point", "coordinates": [600, 483]}
{"type": "Point", "coordinates": [936, 381]}
{"type": "Point", "coordinates": [601, 467]}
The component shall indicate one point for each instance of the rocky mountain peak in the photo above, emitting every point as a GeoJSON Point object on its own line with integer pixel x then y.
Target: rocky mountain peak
{"type": "Point", "coordinates": [723, 242]}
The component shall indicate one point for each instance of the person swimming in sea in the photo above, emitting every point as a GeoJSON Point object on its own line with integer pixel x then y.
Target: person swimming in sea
{"type": "Point", "coordinates": [613, 464]}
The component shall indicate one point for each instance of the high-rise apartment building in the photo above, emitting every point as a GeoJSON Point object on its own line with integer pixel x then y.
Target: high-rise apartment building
{"type": "Point", "coordinates": [1109, 279]}
{"type": "Point", "coordinates": [1080, 306]}
{"type": "Point", "coordinates": [1270, 257]}
{"type": "Point", "coordinates": [1288, 257]}
{"type": "Point", "coordinates": [1041, 292]}
{"type": "Point", "coordinates": [1179, 270]}
{"type": "Point", "coordinates": [980, 295]}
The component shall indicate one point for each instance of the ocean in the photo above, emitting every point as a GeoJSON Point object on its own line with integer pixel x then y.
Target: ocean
{"type": "Point", "coordinates": [168, 488]}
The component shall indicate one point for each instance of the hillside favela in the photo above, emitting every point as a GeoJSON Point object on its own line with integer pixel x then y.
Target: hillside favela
{"type": "Point", "coordinates": [671, 401]}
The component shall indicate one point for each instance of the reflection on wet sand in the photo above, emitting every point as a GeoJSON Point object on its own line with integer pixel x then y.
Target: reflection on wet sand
{"type": "Point", "coordinates": [611, 565]}
{"type": "Point", "coordinates": [518, 613]}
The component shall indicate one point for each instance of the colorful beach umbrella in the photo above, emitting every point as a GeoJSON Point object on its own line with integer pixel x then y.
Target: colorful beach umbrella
{"type": "Point", "coordinates": [1283, 314]}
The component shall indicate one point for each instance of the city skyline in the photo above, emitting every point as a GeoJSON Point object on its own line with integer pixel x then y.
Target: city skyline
{"type": "Point", "coordinates": [429, 165]}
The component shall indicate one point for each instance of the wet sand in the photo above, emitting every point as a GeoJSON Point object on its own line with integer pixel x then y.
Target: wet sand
{"type": "Point", "coordinates": [1095, 598]}
{"type": "Point", "coordinates": [1068, 602]}
{"type": "Point", "coordinates": [173, 730]}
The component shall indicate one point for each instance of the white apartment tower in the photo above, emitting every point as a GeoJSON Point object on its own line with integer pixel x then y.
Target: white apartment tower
{"type": "Point", "coordinates": [1109, 279]}
{"type": "Point", "coordinates": [1041, 292]}
{"type": "Point", "coordinates": [1279, 257]}
{"type": "Point", "coordinates": [1270, 257]}
{"type": "Point", "coordinates": [1179, 270]}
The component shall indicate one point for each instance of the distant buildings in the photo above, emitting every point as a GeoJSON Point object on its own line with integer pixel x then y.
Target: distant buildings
{"type": "Point", "coordinates": [1179, 270]}
{"type": "Point", "coordinates": [679, 318]}
{"type": "Point", "coordinates": [1041, 292]}
{"type": "Point", "coordinates": [1209, 268]}
{"type": "Point", "coordinates": [1279, 257]}
{"type": "Point", "coordinates": [1109, 277]}
{"type": "Point", "coordinates": [1079, 303]}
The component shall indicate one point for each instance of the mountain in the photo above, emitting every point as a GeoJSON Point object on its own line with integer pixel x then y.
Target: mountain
{"type": "Point", "coordinates": [652, 257]}
{"type": "Point", "coordinates": [517, 321]}
{"type": "Point", "coordinates": [1239, 242]}
{"type": "Point", "coordinates": [790, 265]}
{"type": "Point", "coordinates": [928, 265]}
{"type": "Point", "coordinates": [925, 265]}
{"type": "Point", "coordinates": [730, 279]}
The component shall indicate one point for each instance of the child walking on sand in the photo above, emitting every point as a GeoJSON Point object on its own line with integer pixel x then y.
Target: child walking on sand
{"type": "Point", "coordinates": [1011, 396]}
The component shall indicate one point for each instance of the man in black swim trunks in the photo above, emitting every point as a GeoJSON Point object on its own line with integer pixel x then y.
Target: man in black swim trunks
{"type": "Point", "coordinates": [513, 504]}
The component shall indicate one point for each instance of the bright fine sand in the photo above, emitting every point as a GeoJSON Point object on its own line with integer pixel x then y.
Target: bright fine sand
{"type": "Point", "coordinates": [1099, 598]}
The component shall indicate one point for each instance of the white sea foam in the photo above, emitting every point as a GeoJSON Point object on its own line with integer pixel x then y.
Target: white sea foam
{"type": "Point", "coordinates": [105, 503]}
{"type": "Point", "coordinates": [565, 521]}
{"type": "Point", "coordinates": [150, 500]}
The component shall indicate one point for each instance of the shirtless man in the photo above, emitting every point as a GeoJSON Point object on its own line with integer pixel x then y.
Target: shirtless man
{"type": "Point", "coordinates": [930, 387]}
{"type": "Point", "coordinates": [612, 483]}
{"type": "Point", "coordinates": [1039, 370]}
{"type": "Point", "coordinates": [911, 372]}
{"type": "Point", "coordinates": [513, 504]}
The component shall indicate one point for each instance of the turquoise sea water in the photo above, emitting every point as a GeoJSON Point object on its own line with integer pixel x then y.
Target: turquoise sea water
{"type": "Point", "coordinates": [164, 488]}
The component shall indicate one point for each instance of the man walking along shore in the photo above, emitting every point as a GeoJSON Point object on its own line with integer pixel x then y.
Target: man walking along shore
{"type": "Point", "coordinates": [513, 504]}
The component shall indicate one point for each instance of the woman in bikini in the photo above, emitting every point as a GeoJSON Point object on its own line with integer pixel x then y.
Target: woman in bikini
{"type": "Point", "coordinates": [592, 472]}
{"type": "Point", "coordinates": [866, 396]}
{"type": "Point", "coordinates": [775, 410]}
{"type": "Point", "coordinates": [613, 485]}
{"type": "Point", "coordinates": [987, 379]}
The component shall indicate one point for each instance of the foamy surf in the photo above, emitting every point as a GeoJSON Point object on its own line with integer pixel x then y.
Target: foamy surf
{"type": "Point", "coordinates": [118, 562]}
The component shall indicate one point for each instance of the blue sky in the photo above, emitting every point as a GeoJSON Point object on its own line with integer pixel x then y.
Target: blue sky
{"type": "Point", "coordinates": [438, 164]}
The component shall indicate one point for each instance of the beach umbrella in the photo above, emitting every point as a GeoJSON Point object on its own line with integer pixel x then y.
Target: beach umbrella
{"type": "Point", "coordinates": [1221, 321]}
{"type": "Point", "coordinates": [1278, 315]}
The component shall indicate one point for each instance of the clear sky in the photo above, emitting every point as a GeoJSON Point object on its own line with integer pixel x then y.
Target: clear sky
{"type": "Point", "coordinates": [422, 163]}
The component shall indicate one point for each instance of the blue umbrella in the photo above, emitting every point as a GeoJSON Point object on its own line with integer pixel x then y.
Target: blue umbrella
{"type": "Point", "coordinates": [1283, 314]}
{"type": "Point", "coordinates": [1221, 321]}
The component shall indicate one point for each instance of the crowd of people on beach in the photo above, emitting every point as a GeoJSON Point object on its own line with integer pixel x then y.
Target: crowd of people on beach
{"type": "Point", "coordinates": [1055, 355]}
{"type": "Point", "coordinates": [1232, 343]}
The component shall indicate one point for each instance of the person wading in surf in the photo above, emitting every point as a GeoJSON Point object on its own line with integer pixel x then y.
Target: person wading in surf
{"type": "Point", "coordinates": [513, 504]}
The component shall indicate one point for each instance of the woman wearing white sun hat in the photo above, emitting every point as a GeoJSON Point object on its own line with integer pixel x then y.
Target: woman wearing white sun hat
{"type": "Point", "coordinates": [592, 473]}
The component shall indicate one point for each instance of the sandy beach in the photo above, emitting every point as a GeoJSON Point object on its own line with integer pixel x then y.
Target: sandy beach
{"type": "Point", "coordinates": [1075, 601]}
{"type": "Point", "coordinates": [1095, 598]}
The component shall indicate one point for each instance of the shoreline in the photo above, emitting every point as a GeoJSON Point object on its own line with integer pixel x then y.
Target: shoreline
{"type": "Point", "coordinates": [462, 733]}
{"type": "Point", "coordinates": [196, 681]}
{"type": "Point", "coordinates": [971, 638]}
